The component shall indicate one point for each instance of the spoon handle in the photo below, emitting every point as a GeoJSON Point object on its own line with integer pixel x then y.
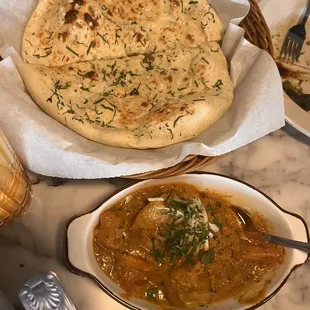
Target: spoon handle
{"type": "Point", "coordinates": [303, 246]}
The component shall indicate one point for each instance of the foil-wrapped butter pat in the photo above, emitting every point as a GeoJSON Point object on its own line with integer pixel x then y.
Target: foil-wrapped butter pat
{"type": "Point", "coordinates": [45, 292]}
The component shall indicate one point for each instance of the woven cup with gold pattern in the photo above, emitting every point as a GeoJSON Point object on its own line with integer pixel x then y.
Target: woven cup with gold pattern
{"type": "Point", "coordinates": [15, 186]}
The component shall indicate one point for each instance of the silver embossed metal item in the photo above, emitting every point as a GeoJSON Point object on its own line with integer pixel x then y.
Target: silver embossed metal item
{"type": "Point", "coordinates": [45, 292]}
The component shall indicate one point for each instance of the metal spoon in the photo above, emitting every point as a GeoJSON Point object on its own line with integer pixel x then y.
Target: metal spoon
{"type": "Point", "coordinates": [249, 226]}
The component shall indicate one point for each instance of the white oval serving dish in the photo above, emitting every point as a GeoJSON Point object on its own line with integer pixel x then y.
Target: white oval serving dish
{"type": "Point", "coordinates": [80, 259]}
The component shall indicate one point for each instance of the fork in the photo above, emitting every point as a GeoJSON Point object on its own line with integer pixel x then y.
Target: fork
{"type": "Point", "coordinates": [295, 38]}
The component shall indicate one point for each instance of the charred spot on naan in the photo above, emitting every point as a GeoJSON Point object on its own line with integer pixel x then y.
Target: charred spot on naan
{"type": "Point", "coordinates": [71, 16]}
{"type": "Point", "coordinates": [91, 22]}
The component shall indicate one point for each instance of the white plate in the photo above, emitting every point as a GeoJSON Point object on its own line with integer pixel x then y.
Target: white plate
{"type": "Point", "coordinates": [280, 15]}
{"type": "Point", "coordinates": [80, 259]}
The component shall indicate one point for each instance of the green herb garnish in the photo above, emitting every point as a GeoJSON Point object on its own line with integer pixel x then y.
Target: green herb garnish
{"type": "Point", "coordinates": [112, 67]}
{"type": "Point", "coordinates": [218, 84]}
{"type": "Point", "coordinates": [205, 60]}
{"type": "Point", "coordinates": [58, 86]}
{"type": "Point", "coordinates": [169, 129]}
{"type": "Point", "coordinates": [103, 37]}
{"type": "Point", "coordinates": [210, 209]}
{"type": "Point", "coordinates": [97, 111]}
{"type": "Point", "coordinates": [99, 100]}
{"type": "Point", "coordinates": [28, 42]}
{"type": "Point", "coordinates": [135, 91]}
{"type": "Point", "coordinates": [203, 26]}
{"type": "Point", "coordinates": [107, 108]}
{"type": "Point", "coordinates": [72, 51]}
{"type": "Point", "coordinates": [207, 257]}
{"type": "Point", "coordinates": [49, 36]}
{"type": "Point", "coordinates": [117, 36]}
{"type": "Point", "coordinates": [204, 82]}
{"type": "Point", "coordinates": [186, 233]}
{"type": "Point", "coordinates": [85, 88]}
{"type": "Point", "coordinates": [217, 223]}
{"type": "Point", "coordinates": [42, 56]}
{"type": "Point", "coordinates": [176, 120]}
{"type": "Point", "coordinates": [122, 77]}
{"type": "Point", "coordinates": [159, 257]}
{"type": "Point", "coordinates": [70, 111]}
{"type": "Point", "coordinates": [87, 75]}
{"type": "Point", "coordinates": [146, 61]}
{"type": "Point", "coordinates": [90, 46]}
{"type": "Point", "coordinates": [151, 293]}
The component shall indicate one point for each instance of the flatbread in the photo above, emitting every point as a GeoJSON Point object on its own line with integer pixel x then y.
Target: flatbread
{"type": "Point", "coordinates": [62, 32]}
{"type": "Point", "coordinates": [139, 101]}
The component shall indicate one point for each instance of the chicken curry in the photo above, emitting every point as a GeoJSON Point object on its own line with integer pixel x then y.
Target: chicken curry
{"type": "Point", "coordinates": [176, 245]}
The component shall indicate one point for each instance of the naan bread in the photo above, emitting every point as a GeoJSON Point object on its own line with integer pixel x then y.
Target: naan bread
{"type": "Point", "coordinates": [139, 101]}
{"type": "Point", "coordinates": [62, 32]}
{"type": "Point", "coordinates": [128, 73]}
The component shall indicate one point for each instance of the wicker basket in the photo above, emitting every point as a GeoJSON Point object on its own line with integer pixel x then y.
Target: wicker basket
{"type": "Point", "coordinates": [257, 32]}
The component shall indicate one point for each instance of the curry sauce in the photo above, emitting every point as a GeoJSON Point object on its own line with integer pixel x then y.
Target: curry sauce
{"type": "Point", "coordinates": [175, 245]}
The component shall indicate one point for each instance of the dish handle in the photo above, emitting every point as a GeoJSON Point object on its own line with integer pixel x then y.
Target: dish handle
{"type": "Point", "coordinates": [77, 238]}
{"type": "Point", "coordinates": [301, 233]}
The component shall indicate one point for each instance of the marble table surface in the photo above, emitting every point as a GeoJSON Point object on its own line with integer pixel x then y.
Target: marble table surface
{"type": "Point", "coordinates": [278, 164]}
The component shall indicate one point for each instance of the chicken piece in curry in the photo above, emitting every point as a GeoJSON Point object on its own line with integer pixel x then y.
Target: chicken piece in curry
{"type": "Point", "coordinates": [176, 245]}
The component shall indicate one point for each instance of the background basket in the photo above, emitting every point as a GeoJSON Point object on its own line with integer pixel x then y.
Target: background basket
{"type": "Point", "coordinates": [256, 32]}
